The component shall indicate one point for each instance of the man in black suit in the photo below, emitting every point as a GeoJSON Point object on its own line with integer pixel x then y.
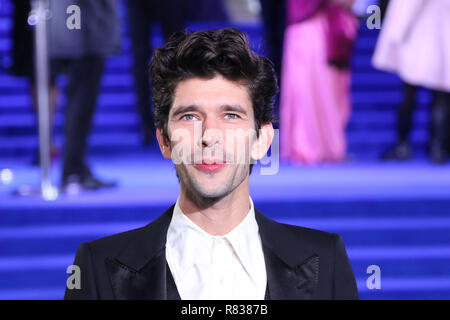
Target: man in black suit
{"type": "Point", "coordinates": [80, 49]}
{"type": "Point", "coordinates": [141, 15]}
{"type": "Point", "coordinates": [211, 93]}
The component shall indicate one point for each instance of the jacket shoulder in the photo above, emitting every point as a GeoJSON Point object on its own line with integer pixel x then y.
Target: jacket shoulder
{"type": "Point", "coordinates": [318, 237]}
{"type": "Point", "coordinates": [294, 235]}
{"type": "Point", "coordinates": [148, 238]}
{"type": "Point", "coordinates": [113, 243]}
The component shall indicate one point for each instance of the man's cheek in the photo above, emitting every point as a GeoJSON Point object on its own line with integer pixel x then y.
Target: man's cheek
{"type": "Point", "coordinates": [238, 145]}
{"type": "Point", "coordinates": [182, 146]}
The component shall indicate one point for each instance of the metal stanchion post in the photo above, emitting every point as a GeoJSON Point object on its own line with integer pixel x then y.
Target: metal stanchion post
{"type": "Point", "coordinates": [42, 70]}
{"type": "Point", "coordinates": [38, 18]}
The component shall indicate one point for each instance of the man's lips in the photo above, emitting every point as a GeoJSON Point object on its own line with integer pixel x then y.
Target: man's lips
{"type": "Point", "coordinates": [210, 166]}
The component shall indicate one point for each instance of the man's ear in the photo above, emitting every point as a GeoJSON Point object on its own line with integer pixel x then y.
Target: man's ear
{"type": "Point", "coordinates": [164, 146]}
{"type": "Point", "coordinates": [262, 144]}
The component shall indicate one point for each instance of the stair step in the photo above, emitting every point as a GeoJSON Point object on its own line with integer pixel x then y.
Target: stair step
{"type": "Point", "coordinates": [95, 140]}
{"type": "Point", "coordinates": [34, 293]}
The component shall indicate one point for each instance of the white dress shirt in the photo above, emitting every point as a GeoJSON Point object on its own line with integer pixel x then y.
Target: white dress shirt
{"type": "Point", "coordinates": [216, 267]}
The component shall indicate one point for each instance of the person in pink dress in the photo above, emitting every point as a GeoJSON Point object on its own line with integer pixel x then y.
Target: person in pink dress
{"type": "Point", "coordinates": [315, 82]}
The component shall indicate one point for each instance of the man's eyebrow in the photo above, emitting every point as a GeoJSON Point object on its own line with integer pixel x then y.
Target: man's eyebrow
{"type": "Point", "coordinates": [233, 108]}
{"type": "Point", "coordinates": [184, 109]}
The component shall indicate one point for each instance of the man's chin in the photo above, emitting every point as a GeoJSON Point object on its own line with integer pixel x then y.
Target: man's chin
{"type": "Point", "coordinates": [207, 196]}
{"type": "Point", "coordinates": [207, 187]}
{"type": "Point", "coordinates": [210, 189]}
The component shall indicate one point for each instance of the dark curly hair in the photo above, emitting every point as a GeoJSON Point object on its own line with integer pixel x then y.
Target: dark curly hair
{"type": "Point", "coordinates": [205, 54]}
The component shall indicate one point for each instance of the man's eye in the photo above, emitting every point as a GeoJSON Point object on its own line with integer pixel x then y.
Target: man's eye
{"type": "Point", "coordinates": [188, 117]}
{"type": "Point", "coordinates": [232, 116]}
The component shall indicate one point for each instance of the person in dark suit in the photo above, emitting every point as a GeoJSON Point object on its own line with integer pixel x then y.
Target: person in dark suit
{"type": "Point", "coordinates": [208, 87]}
{"type": "Point", "coordinates": [172, 15]}
{"type": "Point", "coordinates": [82, 51]}
{"type": "Point", "coordinates": [274, 17]}
{"type": "Point", "coordinates": [141, 15]}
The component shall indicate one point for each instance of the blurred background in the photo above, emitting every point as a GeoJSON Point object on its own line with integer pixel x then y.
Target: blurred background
{"type": "Point", "coordinates": [363, 144]}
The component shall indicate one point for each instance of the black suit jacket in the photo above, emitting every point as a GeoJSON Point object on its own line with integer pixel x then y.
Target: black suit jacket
{"type": "Point", "coordinates": [301, 263]}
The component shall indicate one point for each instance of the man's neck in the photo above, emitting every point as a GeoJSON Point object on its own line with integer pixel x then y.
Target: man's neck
{"type": "Point", "coordinates": [221, 216]}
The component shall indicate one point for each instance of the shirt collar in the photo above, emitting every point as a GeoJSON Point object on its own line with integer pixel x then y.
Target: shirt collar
{"type": "Point", "coordinates": [185, 238]}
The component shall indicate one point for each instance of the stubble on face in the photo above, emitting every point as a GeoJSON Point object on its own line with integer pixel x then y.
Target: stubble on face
{"type": "Point", "coordinates": [205, 196]}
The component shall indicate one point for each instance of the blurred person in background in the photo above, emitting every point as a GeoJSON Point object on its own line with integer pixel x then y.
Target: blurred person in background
{"type": "Point", "coordinates": [172, 15]}
{"type": "Point", "coordinates": [383, 4]}
{"type": "Point", "coordinates": [83, 52]}
{"type": "Point", "coordinates": [315, 84]}
{"type": "Point", "coordinates": [274, 18]}
{"type": "Point", "coordinates": [206, 11]}
{"type": "Point", "coordinates": [414, 43]}
{"type": "Point", "coordinates": [141, 15]}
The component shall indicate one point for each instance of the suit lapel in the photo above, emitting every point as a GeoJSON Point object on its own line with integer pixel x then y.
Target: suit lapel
{"type": "Point", "coordinates": [292, 271]}
{"type": "Point", "coordinates": [147, 283]}
{"type": "Point", "coordinates": [291, 283]}
{"type": "Point", "coordinates": [140, 271]}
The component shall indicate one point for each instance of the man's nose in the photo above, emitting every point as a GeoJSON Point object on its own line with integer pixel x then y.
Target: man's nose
{"type": "Point", "coordinates": [211, 133]}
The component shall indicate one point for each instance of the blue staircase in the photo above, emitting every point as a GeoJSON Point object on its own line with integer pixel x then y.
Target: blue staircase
{"type": "Point", "coordinates": [408, 237]}
{"type": "Point", "coordinates": [409, 240]}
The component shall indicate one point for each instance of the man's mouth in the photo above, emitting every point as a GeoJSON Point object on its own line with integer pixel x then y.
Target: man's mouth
{"type": "Point", "coordinates": [209, 165]}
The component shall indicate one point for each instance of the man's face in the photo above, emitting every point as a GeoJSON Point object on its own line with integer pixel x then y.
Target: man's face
{"type": "Point", "coordinates": [212, 128]}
